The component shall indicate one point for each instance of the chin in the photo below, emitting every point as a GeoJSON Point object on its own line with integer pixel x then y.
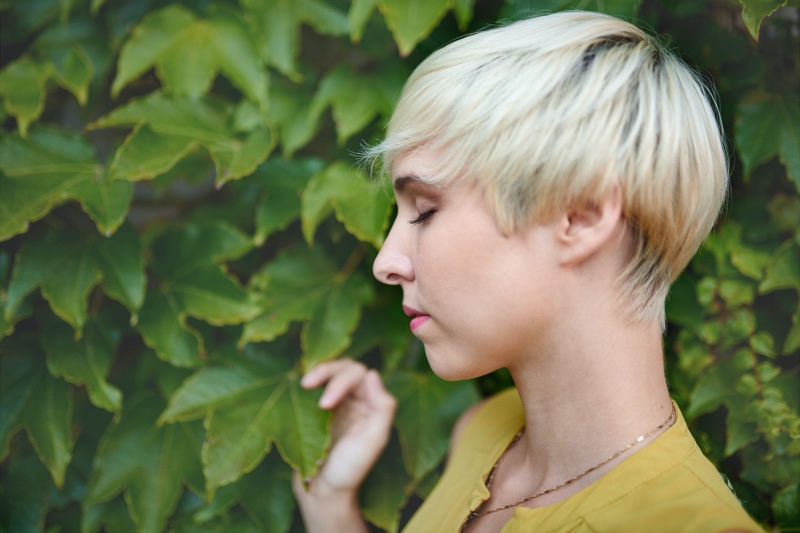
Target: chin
{"type": "Point", "coordinates": [444, 369]}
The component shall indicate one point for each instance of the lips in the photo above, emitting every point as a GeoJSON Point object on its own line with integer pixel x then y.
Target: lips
{"type": "Point", "coordinates": [419, 317]}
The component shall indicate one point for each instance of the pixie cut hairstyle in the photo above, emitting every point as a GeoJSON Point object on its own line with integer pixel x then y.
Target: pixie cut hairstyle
{"type": "Point", "coordinates": [557, 111]}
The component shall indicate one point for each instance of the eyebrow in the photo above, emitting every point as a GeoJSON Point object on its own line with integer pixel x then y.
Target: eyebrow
{"type": "Point", "coordinates": [401, 183]}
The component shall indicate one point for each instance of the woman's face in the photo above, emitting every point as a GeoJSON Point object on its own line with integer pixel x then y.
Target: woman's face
{"type": "Point", "coordinates": [477, 298]}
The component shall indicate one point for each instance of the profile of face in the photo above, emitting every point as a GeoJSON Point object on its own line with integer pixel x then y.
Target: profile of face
{"type": "Point", "coordinates": [477, 298]}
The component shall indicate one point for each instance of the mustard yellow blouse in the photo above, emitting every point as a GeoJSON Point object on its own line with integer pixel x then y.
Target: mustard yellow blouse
{"type": "Point", "coordinates": [667, 486]}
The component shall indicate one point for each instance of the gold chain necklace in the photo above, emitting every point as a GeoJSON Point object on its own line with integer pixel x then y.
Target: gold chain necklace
{"type": "Point", "coordinates": [639, 439]}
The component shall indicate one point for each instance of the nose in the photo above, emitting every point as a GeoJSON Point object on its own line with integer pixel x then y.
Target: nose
{"type": "Point", "coordinates": [393, 264]}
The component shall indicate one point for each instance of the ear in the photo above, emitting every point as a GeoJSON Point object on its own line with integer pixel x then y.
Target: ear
{"type": "Point", "coordinates": [584, 230]}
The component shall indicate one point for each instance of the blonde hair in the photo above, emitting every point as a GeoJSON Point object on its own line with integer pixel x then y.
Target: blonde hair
{"type": "Point", "coordinates": [557, 110]}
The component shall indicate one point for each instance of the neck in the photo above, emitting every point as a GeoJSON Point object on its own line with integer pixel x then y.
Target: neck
{"type": "Point", "coordinates": [587, 395]}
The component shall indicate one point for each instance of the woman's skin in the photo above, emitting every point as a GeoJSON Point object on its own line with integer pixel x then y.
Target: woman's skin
{"type": "Point", "coordinates": [542, 303]}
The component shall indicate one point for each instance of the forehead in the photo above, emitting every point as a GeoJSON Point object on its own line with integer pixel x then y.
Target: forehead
{"type": "Point", "coordinates": [413, 169]}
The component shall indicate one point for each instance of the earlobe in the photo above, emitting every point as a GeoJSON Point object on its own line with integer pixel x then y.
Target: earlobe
{"type": "Point", "coordinates": [585, 229]}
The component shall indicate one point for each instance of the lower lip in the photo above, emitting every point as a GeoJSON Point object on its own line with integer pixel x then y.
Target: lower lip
{"type": "Point", "coordinates": [417, 321]}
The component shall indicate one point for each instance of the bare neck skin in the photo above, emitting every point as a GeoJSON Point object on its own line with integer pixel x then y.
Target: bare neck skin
{"type": "Point", "coordinates": [591, 382]}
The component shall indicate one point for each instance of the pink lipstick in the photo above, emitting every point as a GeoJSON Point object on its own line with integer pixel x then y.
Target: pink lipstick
{"type": "Point", "coordinates": [419, 317]}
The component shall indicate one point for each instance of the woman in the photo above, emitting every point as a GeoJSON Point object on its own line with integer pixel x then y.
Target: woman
{"type": "Point", "coordinates": [552, 178]}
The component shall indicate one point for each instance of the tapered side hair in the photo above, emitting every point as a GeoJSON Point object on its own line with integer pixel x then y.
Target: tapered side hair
{"type": "Point", "coordinates": [556, 111]}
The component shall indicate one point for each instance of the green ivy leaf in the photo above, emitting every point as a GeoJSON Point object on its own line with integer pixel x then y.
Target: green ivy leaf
{"type": "Point", "coordinates": [85, 362]}
{"type": "Point", "coordinates": [290, 114]}
{"type": "Point", "coordinates": [362, 207]}
{"type": "Point", "coordinates": [737, 292]}
{"type": "Point", "coordinates": [767, 126]}
{"type": "Point", "coordinates": [385, 491]}
{"type": "Point", "coordinates": [410, 21]}
{"type": "Point", "coordinates": [356, 99]}
{"type": "Point", "coordinates": [164, 329]}
{"type": "Point", "coordinates": [713, 387]}
{"type": "Point", "coordinates": [83, 262]}
{"type": "Point", "coordinates": [188, 52]}
{"type": "Point", "coordinates": [111, 515]}
{"type": "Point", "coordinates": [782, 269]}
{"type": "Point", "coordinates": [329, 330]}
{"type": "Point", "coordinates": [248, 404]}
{"type": "Point", "coordinates": [792, 342]}
{"type": "Point", "coordinates": [279, 204]}
{"type": "Point", "coordinates": [277, 23]}
{"type": "Point", "coordinates": [24, 494]}
{"type": "Point", "coordinates": [755, 11]}
{"type": "Point", "coordinates": [427, 408]}
{"type": "Point", "coordinates": [34, 400]}
{"type": "Point", "coordinates": [786, 504]}
{"type": "Point", "coordinates": [463, 10]}
{"type": "Point", "coordinates": [150, 464]}
{"type": "Point", "coordinates": [74, 72]}
{"type": "Point", "coordinates": [191, 283]}
{"type": "Point", "coordinates": [173, 127]}
{"type": "Point", "coordinates": [303, 284]}
{"type": "Point", "coordinates": [521, 9]}
{"type": "Point", "coordinates": [22, 86]}
{"type": "Point", "coordinates": [49, 168]}
{"type": "Point", "coordinates": [358, 16]}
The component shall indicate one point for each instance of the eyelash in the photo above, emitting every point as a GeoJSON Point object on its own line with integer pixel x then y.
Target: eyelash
{"type": "Point", "coordinates": [423, 217]}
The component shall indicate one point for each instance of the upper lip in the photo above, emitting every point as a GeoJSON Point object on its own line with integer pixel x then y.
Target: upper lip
{"type": "Point", "coordinates": [410, 311]}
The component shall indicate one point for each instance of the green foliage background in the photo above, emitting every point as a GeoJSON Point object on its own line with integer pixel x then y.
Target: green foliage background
{"type": "Point", "coordinates": [184, 231]}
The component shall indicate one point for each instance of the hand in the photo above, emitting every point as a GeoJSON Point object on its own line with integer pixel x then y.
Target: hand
{"type": "Point", "coordinates": [362, 419]}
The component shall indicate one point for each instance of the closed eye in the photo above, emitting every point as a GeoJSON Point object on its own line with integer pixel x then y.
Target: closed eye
{"type": "Point", "coordinates": [423, 217]}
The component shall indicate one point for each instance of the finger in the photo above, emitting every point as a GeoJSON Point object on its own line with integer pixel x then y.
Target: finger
{"type": "Point", "coordinates": [345, 382]}
{"type": "Point", "coordinates": [322, 372]}
{"type": "Point", "coordinates": [377, 394]}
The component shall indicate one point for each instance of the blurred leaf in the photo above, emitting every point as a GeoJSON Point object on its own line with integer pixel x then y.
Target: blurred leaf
{"type": "Point", "coordinates": [22, 85]}
{"type": "Point", "coordinates": [521, 9]}
{"type": "Point", "coordinates": [34, 400]}
{"type": "Point", "coordinates": [427, 408]}
{"type": "Point", "coordinates": [767, 126]}
{"type": "Point", "coordinates": [85, 362]}
{"type": "Point", "coordinates": [713, 388]}
{"type": "Point", "coordinates": [150, 464]}
{"type": "Point", "coordinates": [755, 11]}
{"type": "Point", "coordinates": [385, 491]}
{"type": "Point", "coordinates": [277, 24]}
{"type": "Point", "coordinates": [356, 99]}
{"type": "Point", "coordinates": [363, 208]}
{"type": "Point", "coordinates": [48, 168]}
{"type": "Point", "coordinates": [279, 204]}
{"type": "Point", "coordinates": [111, 515]}
{"type": "Point", "coordinates": [173, 127]}
{"type": "Point", "coordinates": [463, 10]}
{"type": "Point", "coordinates": [83, 262]}
{"type": "Point", "coordinates": [291, 114]}
{"type": "Point", "coordinates": [75, 72]}
{"type": "Point", "coordinates": [188, 52]}
{"type": "Point", "coordinates": [358, 16]}
{"type": "Point", "coordinates": [410, 21]}
{"type": "Point", "coordinates": [248, 403]}
{"type": "Point", "coordinates": [682, 307]}
{"type": "Point", "coordinates": [762, 343]}
{"type": "Point", "coordinates": [786, 505]}
{"type": "Point", "coordinates": [792, 342]}
{"type": "Point", "coordinates": [329, 330]}
{"type": "Point", "coordinates": [783, 269]}
{"type": "Point", "coordinates": [164, 329]}
{"type": "Point", "coordinates": [737, 292]}
{"type": "Point", "coordinates": [23, 495]}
